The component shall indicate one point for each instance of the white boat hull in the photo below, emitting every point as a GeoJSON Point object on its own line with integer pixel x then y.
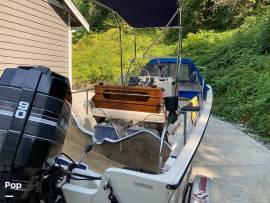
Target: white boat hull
{"type": "Point", "coordinates": [133, 187]}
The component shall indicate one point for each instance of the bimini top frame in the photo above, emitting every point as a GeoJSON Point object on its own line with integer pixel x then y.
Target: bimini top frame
{"type": "Point", "coordinates": [146, 14]}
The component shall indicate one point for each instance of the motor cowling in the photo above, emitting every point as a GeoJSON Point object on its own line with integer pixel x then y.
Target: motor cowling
{"type": "Point", "coordinates": [34, 115]}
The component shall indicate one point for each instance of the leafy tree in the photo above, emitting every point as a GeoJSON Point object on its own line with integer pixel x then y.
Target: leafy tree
{"type": "Point", "coordinates": [218, 14]}
{"type": "Point", "coordinates": [96, 16]}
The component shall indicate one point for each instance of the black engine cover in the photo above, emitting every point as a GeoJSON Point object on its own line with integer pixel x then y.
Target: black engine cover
{"type": "Point", "coordinates": [34, 114]}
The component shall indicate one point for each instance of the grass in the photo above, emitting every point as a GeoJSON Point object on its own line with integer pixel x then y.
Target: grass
{"type": "Point", "coordinates": [265, 139]}
{"type": "Point", "coordinates": [237, 61]}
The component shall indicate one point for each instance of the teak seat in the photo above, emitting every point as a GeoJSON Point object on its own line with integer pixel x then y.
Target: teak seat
{"type": "Point", "coordinates": [130, 98]}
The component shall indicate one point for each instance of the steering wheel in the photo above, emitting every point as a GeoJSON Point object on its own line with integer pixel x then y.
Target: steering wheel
{"type": "Point", "coordinates": [146, 78]}
{"type": "Point", "coordinates": [161, 72]}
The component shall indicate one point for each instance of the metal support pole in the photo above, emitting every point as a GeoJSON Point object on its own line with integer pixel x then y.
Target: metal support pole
{"type": "Point", "coordinates": [164, 133]}
{"type": "Point", "coordinates": [121, 55]}
{"type": "Point", "coordinates": [180, 47]}
{"type": "Point", "coordinates": [185, 127]}
{"type": "Point", "coordinates": [120, 47]}
{"type": "Point", "coordinates": [160, 35]}
{"type": "Point", "coordinates": [87, 103]}
{"type": "Point", "coordinates": [135, 44]}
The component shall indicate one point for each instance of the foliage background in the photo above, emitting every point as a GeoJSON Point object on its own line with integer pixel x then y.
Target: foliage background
{"type": "Point", "coordinates": [229, 37]}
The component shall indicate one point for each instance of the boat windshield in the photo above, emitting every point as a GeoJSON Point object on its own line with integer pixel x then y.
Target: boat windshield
{"type": "Point", "coordinates": [162, 69]}
{"type": "Point", "coordinates": [168, 70]}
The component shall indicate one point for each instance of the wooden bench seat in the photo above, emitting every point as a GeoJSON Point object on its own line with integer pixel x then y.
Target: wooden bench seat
{"type": "Point", "coordinates": [142, 99]}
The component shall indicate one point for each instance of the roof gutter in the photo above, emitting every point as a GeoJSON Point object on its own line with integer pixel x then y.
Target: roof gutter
{"type": "Point", "coordinates": [77, 14]}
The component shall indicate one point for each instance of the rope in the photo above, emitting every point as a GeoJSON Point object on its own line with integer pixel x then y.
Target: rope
{"type": "Point", "coordinates": [111, 196]}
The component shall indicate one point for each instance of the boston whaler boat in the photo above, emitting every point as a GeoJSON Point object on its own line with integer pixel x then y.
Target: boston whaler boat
{"type": "Point", "coordinates": [149, 127]}
{"type": "Point", "coordinates": [151, 133]}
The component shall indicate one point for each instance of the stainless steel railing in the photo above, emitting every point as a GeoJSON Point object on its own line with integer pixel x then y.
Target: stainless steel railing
{"type": "Point", "coordinates": [87, 97]}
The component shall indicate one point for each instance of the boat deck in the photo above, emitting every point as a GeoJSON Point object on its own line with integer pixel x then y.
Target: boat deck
{"type": "Point", "coordinates": [76, 140]}
{"type": "Point", "coordinates": [130, 152]}
{"type": "Point", "coordinates": [74, 145]}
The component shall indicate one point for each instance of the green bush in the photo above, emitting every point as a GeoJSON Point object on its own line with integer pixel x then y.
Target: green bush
{"type": "Point", "coordinates": [264, 38]}
{"type": "Point", "coordinates": [238, 69]}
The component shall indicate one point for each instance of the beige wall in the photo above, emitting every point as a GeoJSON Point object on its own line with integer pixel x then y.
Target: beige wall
{"type": "Point", "coordinates": [33, 32]}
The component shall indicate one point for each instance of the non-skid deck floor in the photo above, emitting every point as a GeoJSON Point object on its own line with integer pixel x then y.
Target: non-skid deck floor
{"type": "Point", "coordinates": [74, 145]}
{"type": "Point", "coordinates": [139, 152]}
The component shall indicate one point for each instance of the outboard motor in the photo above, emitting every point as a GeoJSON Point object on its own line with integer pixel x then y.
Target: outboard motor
{"type": "Point", "coordinates": [34, 115]}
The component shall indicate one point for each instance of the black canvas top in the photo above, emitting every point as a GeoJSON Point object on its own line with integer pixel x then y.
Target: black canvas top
{"type": "Point", "coordinates": [145, 13]}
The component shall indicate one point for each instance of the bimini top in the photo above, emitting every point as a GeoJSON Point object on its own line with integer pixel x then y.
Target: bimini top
{"type": "Point", "coordinates": [145, 13]}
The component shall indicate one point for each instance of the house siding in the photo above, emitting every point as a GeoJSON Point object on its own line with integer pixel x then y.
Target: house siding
{"type": "Point", "coordinates": [34, 32]}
